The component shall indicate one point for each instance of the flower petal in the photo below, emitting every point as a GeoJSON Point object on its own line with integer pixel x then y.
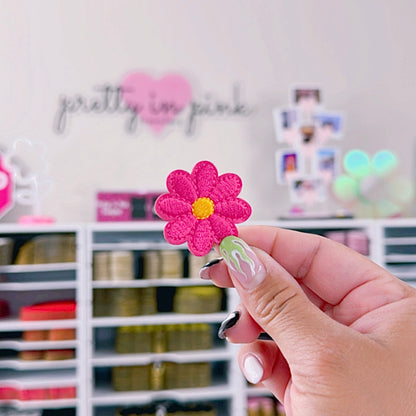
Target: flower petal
{"type": "Point", "coordinates": [222, 227]}
{"type": "Point", "coordinates": [202, 239]}
{"type": "Point", "coordinates": [205, 177]}
{"type": "Point", "coordinates": [168, 207]}
{"type": "Point", "coordinates": [180, 182]}
{"type": "Point", "coordinates": [178, 231]}
{"type": "Point", "coordinates": [229, 186]}
{"type": "Point", "coordinates": [237, 209]}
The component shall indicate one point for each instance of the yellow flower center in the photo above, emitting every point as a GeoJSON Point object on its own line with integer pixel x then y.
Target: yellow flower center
{"type": "Point", "coordinates": [203, 208]}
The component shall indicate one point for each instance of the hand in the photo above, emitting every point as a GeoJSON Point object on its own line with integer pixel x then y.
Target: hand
{"type": "Point", "coordinates": [344, 329]}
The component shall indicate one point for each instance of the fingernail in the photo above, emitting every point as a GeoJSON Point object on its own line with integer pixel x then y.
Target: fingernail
{"type": "Point", "coordinates": [228, 323]}
{"type": "Point", "coordinates": [204, 272]}
{"type": "Point", "coordinates": [265, 337]}
{"type": "Point", "coordinates": [252, 369]}
{"type": "Point", "coordinates": [242, 261]}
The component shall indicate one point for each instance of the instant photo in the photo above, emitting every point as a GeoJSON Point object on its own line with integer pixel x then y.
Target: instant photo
{"type": "Point", "coordinates": [307, 190]}
{"type": "Point", "coordinates": [329, 126]}
{"type": "Point", "coordinates": [307, 99]}
{"type": "Point", "coordinates": [307, 134]}
{"type": "Point", "coordinates": [288, 164]}
{"type": "Point", "coordinates": [326, 163]}
{"type": "Point", "coordinates": [285, 124]}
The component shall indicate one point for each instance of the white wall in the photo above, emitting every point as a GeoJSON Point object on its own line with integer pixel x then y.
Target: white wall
{"type": "Point", "coordinates": [360, 51]}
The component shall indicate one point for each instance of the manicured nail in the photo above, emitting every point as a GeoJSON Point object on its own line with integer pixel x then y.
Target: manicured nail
{"type": "Point", "coordinates": [242, 261]}
{"type": "Point", "coordinates": [265, 337]}
{"type": "Point", "coordinates": [252, 369]}
{"type": "Point", "coordinates": [204, 272]}
{"type": "Point", "coordinates": [228, 323]}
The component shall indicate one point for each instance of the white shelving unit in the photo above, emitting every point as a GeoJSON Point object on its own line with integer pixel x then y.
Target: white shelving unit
{"type": "Point", "coordinates": [104, 400]}
{"type": "Point", "coordinates": [391, 243]}
{"type": "Point", "coordinates": [398, 244]}
{"type": "Point", "coordinates": [27, 284]}
{"type": "Point", "coordinates": [326, 227]}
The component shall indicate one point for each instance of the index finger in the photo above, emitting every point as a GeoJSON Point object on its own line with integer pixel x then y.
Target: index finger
{"type": "Point", "coordinates": [329, 269]}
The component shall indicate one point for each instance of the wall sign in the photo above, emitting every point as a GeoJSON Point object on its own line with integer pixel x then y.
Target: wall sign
{"type": "Point", "coordinates": [156, 102]}
{"type": "Point", "coordinates": [169, 101]}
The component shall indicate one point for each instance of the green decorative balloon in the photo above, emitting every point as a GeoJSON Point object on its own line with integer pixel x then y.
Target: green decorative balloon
{"type": "Point", "coordinates": [357, 163]}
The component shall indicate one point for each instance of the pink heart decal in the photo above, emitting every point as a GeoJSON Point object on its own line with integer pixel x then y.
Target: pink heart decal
{"type": "Point", "coordinates": [156, 102]}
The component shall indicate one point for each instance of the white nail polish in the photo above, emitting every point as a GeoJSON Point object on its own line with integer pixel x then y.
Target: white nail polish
{"type": "Point", "coordinates": [253, 370]}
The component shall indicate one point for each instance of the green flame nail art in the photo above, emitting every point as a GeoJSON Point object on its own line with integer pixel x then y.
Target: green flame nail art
{"type": "Point", "coordinates": [235, 250]}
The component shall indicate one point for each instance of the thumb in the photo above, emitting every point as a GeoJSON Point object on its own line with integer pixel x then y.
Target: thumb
{"type": "Point", "coordinates": [275, 300]}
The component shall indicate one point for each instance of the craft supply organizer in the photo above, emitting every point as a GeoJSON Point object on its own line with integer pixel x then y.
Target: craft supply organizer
{"type": "Point", "coordinates": [43, 321]}
{"type": "Point", "coordinates": [156, 300]}
{"type": "Point", "coordinates": [109, 319]}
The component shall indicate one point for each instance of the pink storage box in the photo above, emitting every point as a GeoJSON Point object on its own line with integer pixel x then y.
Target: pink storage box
{"type": "Point", "coordinates": [33, 394]}
{"type": "Point", "coordinates": [126, 206]}
{"type": "Point", "coordinates": [8, 393]}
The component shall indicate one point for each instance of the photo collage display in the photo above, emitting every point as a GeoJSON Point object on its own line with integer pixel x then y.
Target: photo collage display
{"type": "Point", "coordinates": [308, 164]}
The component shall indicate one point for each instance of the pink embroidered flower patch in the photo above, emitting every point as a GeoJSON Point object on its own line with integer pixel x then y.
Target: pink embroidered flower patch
{"type": "Point", "coordinates": [201, 207]}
